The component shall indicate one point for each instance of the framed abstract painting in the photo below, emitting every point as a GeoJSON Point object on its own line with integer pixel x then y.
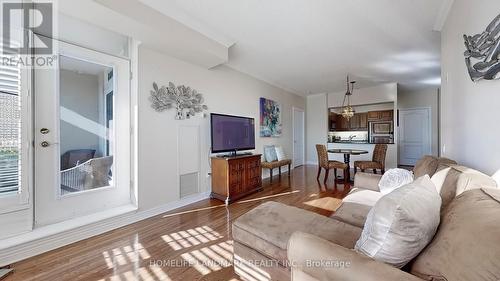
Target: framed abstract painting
{"type": "Point", "coordinates": [270, 118]}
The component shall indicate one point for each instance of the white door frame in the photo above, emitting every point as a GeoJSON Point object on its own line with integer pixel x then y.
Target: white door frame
{"type": "Point", "coordinates": [303, 135]}
{"type": "Point", "coordinates": [400, 139]}
{"type": "Point", "coordinates": [51, 202]}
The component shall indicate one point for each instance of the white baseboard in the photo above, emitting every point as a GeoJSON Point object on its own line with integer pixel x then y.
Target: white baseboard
{"type": "Point", "coordinates": [51, 237]}
{"type": "Point", "coordinates": [312, 163]}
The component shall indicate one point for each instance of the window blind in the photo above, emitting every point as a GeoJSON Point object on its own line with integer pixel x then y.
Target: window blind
{"type": "Point", "coordinates": [10, 124]}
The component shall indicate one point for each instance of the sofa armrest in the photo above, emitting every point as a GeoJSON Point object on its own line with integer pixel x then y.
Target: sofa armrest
{"type": "Point", "coordinates": [320, 259]}
{"type": "Point", "coordinates": [367, 181]}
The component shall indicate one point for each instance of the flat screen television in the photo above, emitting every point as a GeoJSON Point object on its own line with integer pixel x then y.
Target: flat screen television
{"type": "Point", "coordinates": [232, 133]}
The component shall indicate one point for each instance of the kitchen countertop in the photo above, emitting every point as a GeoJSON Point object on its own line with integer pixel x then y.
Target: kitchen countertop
{"type": "Point", "coordinates": [355, 142]}
{"type": "Point", "coordinates": [348, 141]}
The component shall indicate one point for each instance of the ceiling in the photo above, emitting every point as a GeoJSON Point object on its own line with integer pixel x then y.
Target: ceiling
{"type": "Point", "coordinates": [308, 46]}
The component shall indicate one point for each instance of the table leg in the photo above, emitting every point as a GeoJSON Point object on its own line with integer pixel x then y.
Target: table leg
{"type": "Point", "coordinates": [347, 160]}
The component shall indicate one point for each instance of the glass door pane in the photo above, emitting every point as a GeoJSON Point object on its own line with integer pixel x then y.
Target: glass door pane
{"type": "Point", "coordinates": [10, 127]}
{"type": "Point", "coordinates": [86, 125]}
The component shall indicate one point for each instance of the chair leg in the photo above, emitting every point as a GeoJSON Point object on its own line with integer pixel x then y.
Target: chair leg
{"type": "Point", "coordinates": [362, 170]}
{"type": "Point", "coordinates": [271, 172]}
{"type": "Point", "coordinates": [382, 171]}
{"type": "Point", "coordinates": [319, 172]}
{"type": "Point", "coordinates": [346, 179]}
{"type": "Point", "coordinates": [374, 171]}
{"type": "Point", "coordinates": [335, 174]}
{"type": "Point", "coordinates": [326, 174]}
{"type": "Point", "coordinates": [289, 169]}
{"type": "Point", "coordinates": [355, 169]}
{"type": "Point", "coordinates": [279, 169]}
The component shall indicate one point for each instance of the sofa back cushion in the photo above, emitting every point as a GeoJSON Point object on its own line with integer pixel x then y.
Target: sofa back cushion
{"type": "Point", "coordinates": [460, 179]}
{"type": "Point", "coordinates": [401, 223]}
{"type": "Point", "coordinates": [444, 163]}
{"type": "Point", "coordinates": [427, 165]}
{"type": "Point", "coordinates": [467, 244]}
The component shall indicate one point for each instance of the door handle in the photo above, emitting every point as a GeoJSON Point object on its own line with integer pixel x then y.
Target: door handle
{"type": "Point", "coordinates": [47, 144]}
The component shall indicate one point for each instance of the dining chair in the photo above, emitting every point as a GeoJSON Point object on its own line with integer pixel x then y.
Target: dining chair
{"type": "Point", "coordinates": [326, 164]}
{"type": "Point", "coordinates": [378, 160]}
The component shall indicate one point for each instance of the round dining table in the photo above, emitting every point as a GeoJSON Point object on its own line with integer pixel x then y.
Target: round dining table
{"type": "Point", "coordinates": [347, 156]}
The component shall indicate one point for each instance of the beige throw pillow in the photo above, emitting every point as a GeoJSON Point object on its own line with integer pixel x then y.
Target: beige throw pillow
{"type": "Point", "coordinates": [439, 177]}
{"type": "Point", "coordinates": [401, 223]}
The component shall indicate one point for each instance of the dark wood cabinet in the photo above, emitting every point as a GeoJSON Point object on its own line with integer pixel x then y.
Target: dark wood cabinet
{"type": "Point", "coordinates": [235, 177]}
{"type": "Point", "coordinates": [383, 115]}
{"type": "Point", "coordinates": [332, 121]}
{"type": "Point", "coordinates": [359, 122]}
{"type": "Point", "coordinates": [363, 121]}
{"type": "Point", "coordinates": [373, 115]}
{"type": "Point", "coordinates": [342, 123]}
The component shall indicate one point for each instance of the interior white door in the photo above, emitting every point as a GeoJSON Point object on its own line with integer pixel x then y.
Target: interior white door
{"type": "Point", "coordinates": [82, 135]}
{"type": "Point", "coordinates": [298, 137]}
{"type": "Point", "coordinates": [414, 135]}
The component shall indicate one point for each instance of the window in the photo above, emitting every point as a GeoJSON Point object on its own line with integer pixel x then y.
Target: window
{"type": "Point", "coordinates": [10, 127]}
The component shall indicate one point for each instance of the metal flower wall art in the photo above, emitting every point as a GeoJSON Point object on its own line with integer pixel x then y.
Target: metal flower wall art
{"type": "Point", "coordinates": [186, 101]}
{"type": "Point", "coordinates": [482, 54]}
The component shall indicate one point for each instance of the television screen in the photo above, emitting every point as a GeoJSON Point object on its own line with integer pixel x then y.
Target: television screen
{"type": "Point", "coordinates": [231, 133]}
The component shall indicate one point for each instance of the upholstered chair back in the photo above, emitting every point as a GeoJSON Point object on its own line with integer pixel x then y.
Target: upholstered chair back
{"type": "Point", "coordinates": [322, 155]}
{"type": "Point", "coordinates": [379, 153]}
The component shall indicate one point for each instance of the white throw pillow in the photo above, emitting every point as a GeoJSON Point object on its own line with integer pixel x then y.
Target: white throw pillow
{"type": "Point", "coordinates": [438, 179]}
{"type": "Point", "coordinates": [394, 178]}
{"type": "Point", "coordinates": [401, 223]}
{"type": "Point", "coordinates": [280, 153]}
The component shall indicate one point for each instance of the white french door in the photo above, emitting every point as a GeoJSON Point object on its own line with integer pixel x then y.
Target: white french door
{"type": "Point", "coordinates": [298, 137]}
{"type": "Point", "coordinates": [414, 135]}
{"type": "Point", "coordinates": [82, 135]}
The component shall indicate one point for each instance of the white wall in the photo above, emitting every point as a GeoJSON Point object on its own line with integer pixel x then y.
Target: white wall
{"type": "Point", "coordinates": [423, 98]}
{"type": "Point", "coordinates": [470, 111]}
{"type": "Point", "coordinates": [316, 125]}
{"type": "Point", "coordinates": [225, 91]}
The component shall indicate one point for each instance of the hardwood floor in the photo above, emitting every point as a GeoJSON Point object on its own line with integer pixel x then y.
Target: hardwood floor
{"type": "Point", "coordinates": [190, 243]}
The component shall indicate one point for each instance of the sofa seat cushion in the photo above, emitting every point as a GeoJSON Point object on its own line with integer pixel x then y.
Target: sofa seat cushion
{"type": "Point", "coordinates": [352, 213]}
{"type": "Point", "coordinates": [356, 206]}
{"type": "Point", "coordinates": [276, 164]}
{"type": "Point", "coordinates": [467, 244]}
{"type": "Point", "coordinates": [363, 196]}
{"type": "Point", "coordinates": [268, 227]}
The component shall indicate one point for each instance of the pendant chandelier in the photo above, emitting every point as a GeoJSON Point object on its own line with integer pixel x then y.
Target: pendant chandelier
{"type": "Point", "coordinates": [347, 110]}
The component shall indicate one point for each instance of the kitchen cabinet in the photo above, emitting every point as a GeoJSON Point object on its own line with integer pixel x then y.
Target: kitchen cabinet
{"type": "Point", "coordinates": [359, 122]}
{"type": "Point", "coordinates": [332, 121]}
{"type": "Point", "coordinates": [363, 121]}
{"type": "Point", "coordinates": [382, 115]}
{"type": "Point", "coordinates": [342, 123]}
{"type": "Point", "coordinates": [387, 115]}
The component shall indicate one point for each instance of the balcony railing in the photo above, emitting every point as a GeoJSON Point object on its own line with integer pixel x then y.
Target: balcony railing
{"type": "Point", "coordinates": [9, 172]}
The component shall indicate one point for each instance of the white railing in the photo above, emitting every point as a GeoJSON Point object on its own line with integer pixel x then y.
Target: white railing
{"type": "Point", "coordinates": [74, 178]}
{"type": "Point", "coordinates": [9, 173]}
{"type": "Point", "coordinates": [91, 174]}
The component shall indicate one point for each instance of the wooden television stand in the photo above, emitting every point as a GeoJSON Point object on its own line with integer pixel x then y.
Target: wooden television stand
{"type": "Point", "coordinates": [235, 177]}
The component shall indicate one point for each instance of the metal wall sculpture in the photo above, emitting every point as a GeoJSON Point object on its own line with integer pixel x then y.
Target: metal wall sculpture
{"type": "Point", "coordinates": [186, 101]}
{"type": "Point", "coordinates": [482, 54]}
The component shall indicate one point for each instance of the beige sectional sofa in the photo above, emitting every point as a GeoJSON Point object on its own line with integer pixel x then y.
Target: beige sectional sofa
{"type": "Point", "coordinates": [279, 242]}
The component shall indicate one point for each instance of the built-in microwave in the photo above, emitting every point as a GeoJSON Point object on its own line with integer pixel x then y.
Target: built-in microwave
{"type": "Point", "coordinates": [381, 132]}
